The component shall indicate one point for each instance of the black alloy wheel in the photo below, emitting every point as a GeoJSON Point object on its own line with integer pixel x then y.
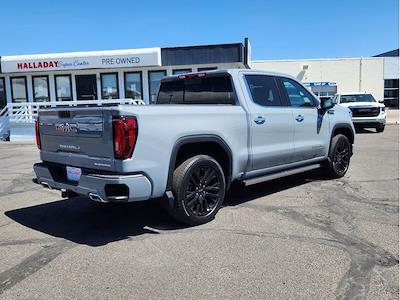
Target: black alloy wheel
{"type": "Point", "coordinates": [341, 157]}
{"type": "Point", "coordinates": [198, 186]}
{"type": "Point", "coordinates": [203, 190]}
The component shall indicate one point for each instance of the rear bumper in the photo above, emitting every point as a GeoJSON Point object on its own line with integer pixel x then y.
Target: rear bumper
{"type": "Point", "coordinates": [99, 187]}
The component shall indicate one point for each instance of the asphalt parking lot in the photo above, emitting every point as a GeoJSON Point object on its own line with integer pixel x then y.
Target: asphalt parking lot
{"type": "Point", "coordinates": [297, 237]}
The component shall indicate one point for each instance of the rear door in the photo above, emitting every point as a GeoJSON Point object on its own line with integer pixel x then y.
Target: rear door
{"type": "Point", "coordinates": [271, 123]}
{"type": "Point", "coordinates": [311, 128]}
{"type": "Point", "coordinates": [77, 137]}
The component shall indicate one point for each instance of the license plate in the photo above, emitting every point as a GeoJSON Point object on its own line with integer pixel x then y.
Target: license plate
{"type": "Point", "coordinates": [74, 174]}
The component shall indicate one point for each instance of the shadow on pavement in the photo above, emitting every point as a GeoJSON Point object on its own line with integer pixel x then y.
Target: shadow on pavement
{"type": "Point", "coordinates": [95, 224]}
{"type": "Point", "coordinates": [365, 130]}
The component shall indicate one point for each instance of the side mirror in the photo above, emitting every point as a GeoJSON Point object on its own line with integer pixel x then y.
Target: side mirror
{"type": "Point", "coordinates": [327, 103]}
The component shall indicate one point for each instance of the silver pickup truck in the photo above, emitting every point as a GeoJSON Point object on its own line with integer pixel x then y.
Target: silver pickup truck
{"type": "Point", "coordinates": [205, 131]}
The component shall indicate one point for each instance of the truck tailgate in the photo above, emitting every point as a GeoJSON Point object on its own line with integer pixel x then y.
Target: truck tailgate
{"type": "Point", "coordinates": [79, 137]}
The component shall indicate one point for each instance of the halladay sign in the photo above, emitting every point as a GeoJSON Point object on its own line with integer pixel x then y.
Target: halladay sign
{"type": "Point", "coordinates": [82, 60]}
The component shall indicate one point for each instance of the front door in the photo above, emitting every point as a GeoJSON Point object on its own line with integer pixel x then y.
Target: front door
{"type": "Point", "coordinates": [311, 128]}
{"type": "Point", "coordinates": [271, 124]}
{"type": "Point", "coordinates": [86, 87]}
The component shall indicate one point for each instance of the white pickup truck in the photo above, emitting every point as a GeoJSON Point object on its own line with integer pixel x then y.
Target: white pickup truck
{"type": "Point", "coordinates": [205, 131]}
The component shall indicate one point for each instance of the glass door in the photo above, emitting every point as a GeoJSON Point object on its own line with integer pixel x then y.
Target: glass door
{"type": "Point", "coordinates": [86, 87]}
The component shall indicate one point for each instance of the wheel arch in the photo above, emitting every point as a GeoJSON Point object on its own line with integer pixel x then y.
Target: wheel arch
{"type": "Point", "coordinates": [208, 144]}
{"type": "Point", "coordinates": [346, 130]}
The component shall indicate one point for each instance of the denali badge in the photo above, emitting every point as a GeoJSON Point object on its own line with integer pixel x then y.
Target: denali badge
{"type": "Point", "coordinates": [66, 127]}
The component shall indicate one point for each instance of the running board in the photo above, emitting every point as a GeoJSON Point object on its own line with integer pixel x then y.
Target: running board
{"type": "Point", "coordinates": [273, 176]}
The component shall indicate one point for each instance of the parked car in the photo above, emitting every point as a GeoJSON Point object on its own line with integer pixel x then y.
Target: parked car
{"type": "Point", "coordinates": [366, 111]}
{"type": "Point", "coordinates": [205, 131]}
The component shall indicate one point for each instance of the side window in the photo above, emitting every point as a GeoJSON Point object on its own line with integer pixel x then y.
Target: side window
{"type": "Point", "coordinates": [171, 92]}
{"type": "Point", "coordinates": [209, 90]}
{"type": "Point", "coordinates": [198, 90]}
{"type": "Point", "coordinates": [263, 90]}
{"type": "Point", "coordinates": [297, 95]}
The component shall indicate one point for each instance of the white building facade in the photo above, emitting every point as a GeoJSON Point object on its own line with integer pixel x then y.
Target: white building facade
{"type": "Point", "coordinates": [326, 77]}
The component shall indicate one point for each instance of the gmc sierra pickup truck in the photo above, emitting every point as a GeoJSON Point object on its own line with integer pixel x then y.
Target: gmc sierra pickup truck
{"type": "Point", "coordinates": [205, 131]}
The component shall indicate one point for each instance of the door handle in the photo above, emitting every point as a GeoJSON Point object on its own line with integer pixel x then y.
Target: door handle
{"type": "Point", "coordinates": [299, 118]}
{"type": "Point", "coordinates": [259, 120]}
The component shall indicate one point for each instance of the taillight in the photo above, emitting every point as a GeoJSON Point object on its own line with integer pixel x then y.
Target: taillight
{"type": "Point", "coordinates": [37, 134]}
{"type": "Point", "coordinates": [125, 134]}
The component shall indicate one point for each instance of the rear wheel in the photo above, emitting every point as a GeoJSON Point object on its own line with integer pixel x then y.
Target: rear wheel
{"type": "Point", "coordinates": [199, 190]}
{"type": "Point", "coordinates": [339, 156]}
{"type": "Point", "coordinates": [380, 128]}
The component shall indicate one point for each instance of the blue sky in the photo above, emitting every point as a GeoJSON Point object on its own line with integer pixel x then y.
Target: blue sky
{"type": "Point", "coordinates": [277, 29]}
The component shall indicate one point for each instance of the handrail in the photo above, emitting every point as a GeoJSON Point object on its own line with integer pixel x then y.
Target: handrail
{"type": "Point", "coordinates": [26, 112]}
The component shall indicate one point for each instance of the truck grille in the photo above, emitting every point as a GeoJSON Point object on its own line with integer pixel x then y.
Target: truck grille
{"type": "Point", "coordinates": [365, 111]}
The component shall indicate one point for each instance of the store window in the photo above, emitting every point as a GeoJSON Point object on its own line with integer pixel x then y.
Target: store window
{"type": "Point", "coordinates": [391, 92]}
{"type": "Point", "coordinates": [3, 99]}
{"type": "Point", "coordinates": [40, 88]}
{"type": "Point", "coordinates": [181, 71]}
{"type": "Point", "coordinates": [154, 83]}
{"type": "Point", "coordinates": [133, 85]}
{"type": "Point", "coordinates": [18, 89]}
{"type": "Point", "coordinates": [109, 86]}
{"type": "Point", "coordinates": [206, 69]}
{"type": "Point", "coordinates": [63, 87]}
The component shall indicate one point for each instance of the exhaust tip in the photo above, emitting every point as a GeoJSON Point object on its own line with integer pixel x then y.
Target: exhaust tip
{"type": "Point", "coordinates": [96, 198]}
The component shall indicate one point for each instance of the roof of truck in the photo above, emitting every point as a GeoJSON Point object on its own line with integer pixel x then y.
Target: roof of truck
{"type": "Point", "coordinates": [232, 72]}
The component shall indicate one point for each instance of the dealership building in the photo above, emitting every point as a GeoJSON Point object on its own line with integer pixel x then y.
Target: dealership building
{"type": "Point", "coordinates": [378, 75]}
{"type": "Point", "coordinates": [116, 74]}
{"type": "Point", "coordinates": [28, 82]}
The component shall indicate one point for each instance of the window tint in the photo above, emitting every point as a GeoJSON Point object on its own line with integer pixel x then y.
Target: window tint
{"type": "Point", "coordinates": [199, 90]}
{"type": "Point", "coordinates": [209, 90]}
{"type": "Point", "coordinates": [171, 92]}
{"type": "Point", "coordinates": [297, 95]}
{"type": "Point", "coordinates": [263, 90]}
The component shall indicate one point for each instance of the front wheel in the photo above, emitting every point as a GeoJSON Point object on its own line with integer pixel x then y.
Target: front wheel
{"type": "Point", "coordinates": [339, 156]}
{"type": "Point", "coordinates": [199, 190]}
{"type": "Point", "coordinates": [380, 128]}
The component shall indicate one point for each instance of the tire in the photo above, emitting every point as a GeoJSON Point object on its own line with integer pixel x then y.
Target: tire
{"type": "Point", "coordinates": [380, 128]}
{"type": "Point", "coordinates": [198, 186]}
{"type": "Point", "coordinates": [339, 157]}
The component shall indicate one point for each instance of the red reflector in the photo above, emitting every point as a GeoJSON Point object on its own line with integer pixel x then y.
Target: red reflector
{"type": "Point", "coordinates": [125, 133]}
{"type": "Point", "coordinates": [37, 134]}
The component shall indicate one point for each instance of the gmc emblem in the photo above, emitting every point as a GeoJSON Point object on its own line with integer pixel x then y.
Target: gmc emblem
{"type": "Point", "coordinates": [66, 127]}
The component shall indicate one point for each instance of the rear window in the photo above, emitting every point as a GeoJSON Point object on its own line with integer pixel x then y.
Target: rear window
{"type": "Point", "coordinates": [199, 90]}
